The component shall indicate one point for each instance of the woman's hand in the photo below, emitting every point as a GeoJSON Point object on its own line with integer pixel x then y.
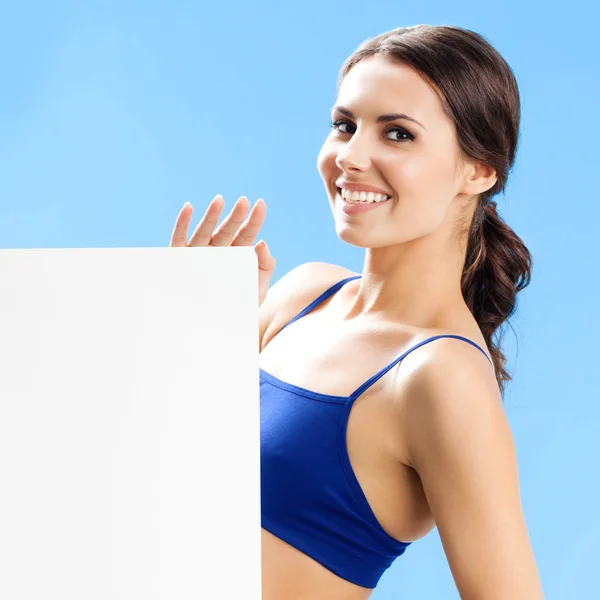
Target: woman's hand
{"type": "Point", "coordinates": [235, 230]}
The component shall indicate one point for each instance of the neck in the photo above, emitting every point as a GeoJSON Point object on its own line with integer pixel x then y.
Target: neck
{"type": "Point", "coordinates": [415, 283]}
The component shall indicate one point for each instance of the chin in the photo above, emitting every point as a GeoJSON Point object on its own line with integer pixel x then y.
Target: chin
{"type": "Point", "coordinates": [371, 239]}
{"type": "Point", "coordinates": [351, 236]}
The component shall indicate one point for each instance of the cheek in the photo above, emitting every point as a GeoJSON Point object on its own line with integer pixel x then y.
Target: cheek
{"type": "Point", "coordinates": [326, 161]}
{"type": "Point", "coordinates": [422, 174]}
{"type": "Point", "coordinates": [425, 184]}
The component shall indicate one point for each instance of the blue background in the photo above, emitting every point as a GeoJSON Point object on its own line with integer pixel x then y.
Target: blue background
{"type": "Point", "coordinates": [112, 116]}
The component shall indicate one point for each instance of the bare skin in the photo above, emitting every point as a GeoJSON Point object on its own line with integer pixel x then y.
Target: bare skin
{"type": "Point", "coordinates": [429, 442]}
{"type": "Point", "coordinates": [238, 228]}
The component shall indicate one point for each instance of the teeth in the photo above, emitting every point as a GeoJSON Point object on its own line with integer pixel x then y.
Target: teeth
{"type": "Point", "coordinates": [363, 196]}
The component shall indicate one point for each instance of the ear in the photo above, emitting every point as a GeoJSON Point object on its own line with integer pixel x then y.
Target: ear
{"type": "Point", "coordinates": [478, 178]}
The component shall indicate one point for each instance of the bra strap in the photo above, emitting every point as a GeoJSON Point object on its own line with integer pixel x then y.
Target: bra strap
{"type": "Point", "coordinates": [326, 294]}
{"type": "Point", "coordinates": [367, 384]}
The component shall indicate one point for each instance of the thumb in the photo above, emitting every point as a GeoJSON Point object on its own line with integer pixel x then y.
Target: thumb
{"type": "Point", "coordinates": [265, 261]}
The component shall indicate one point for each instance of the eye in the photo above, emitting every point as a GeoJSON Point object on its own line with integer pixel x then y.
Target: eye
{"type": "Point", "coordinates": [400, 135]}
{"type": "Point", "coordinates": [339, 126]}
{"type": "Point", "coordinates": [395, 134]}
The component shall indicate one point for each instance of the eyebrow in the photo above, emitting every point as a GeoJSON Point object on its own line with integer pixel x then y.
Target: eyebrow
{"type": "Point", "coordinates": [382, 118]}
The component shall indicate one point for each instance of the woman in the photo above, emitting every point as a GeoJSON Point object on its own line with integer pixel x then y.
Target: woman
{"type": "Point", "coordinates": [381, 404]}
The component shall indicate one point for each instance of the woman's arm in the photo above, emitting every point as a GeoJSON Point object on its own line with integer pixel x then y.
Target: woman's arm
{"type": "Point", "coordinates": [293, 292]}
{"type": "Point", "coordinates": [460, 443]}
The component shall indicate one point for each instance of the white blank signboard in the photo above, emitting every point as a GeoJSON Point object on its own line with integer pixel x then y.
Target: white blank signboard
{"type": "Point", "coordinates": [129, 424]}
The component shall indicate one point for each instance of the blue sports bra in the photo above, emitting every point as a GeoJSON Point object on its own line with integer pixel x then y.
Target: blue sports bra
{"type": "Point", "coordinates": [310, 496]}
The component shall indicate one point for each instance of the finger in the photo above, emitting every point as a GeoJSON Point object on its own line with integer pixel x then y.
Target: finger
{"type": "Point", "coordinates": [179, 235]}
{"type": "Point", "coordinates": [249, 230]}
{"type": "Point", "coordinates": [266, 262]}
{"type": "Point", "coordinates": [204, 230]}
{"type": "Point", "coordinates": [228, 228]}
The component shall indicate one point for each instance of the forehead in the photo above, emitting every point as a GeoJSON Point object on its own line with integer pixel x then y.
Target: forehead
{"type": "Point", "coordinates": [384, 86]}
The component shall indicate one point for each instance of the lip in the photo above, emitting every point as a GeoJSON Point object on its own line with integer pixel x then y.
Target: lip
{"type": "Point", "coordinates": [360, 187]}
{"type": "Point", "coordinates": [355, 209]}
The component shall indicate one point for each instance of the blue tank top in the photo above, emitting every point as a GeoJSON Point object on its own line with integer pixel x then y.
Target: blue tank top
{"type": "Point", "coordinates": [310, 496]}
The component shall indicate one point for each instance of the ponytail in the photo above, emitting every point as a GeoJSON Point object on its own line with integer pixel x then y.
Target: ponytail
{"type": "Point", "coordinates": [497, 267]}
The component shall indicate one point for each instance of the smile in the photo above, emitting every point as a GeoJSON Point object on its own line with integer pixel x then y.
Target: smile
{"type": "Point", "coordinates": [355, 197]}
{"type": "Point", "coordinates": [353, 207]}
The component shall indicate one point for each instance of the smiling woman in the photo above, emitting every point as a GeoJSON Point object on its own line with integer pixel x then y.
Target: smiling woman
{"type": "Point", "coordinates": [381, 392]}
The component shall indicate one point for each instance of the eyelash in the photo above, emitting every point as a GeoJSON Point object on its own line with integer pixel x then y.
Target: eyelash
{"type": "Point", "coordinates": [335, 125]}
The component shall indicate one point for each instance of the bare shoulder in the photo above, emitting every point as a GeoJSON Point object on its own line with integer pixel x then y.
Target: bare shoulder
{"type": "Point", "coordinates": [295, 290]}
{"type": "Point", "coordinates": [448, 386]}
{"type": "Point", "coordinates": [459, 441]}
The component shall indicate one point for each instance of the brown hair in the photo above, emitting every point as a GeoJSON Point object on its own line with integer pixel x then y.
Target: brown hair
{"type": "Point", "coordinates": [480, 94]}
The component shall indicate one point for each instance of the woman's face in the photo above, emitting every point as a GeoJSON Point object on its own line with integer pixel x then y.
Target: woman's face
{"type": "Point", "coordinates": [389, 133]}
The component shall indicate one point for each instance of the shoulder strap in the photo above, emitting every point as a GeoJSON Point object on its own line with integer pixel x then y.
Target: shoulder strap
{"type": "Point", "coordinates": [367, 384]}
{"type": "Point", "coordinates": [326, 294]}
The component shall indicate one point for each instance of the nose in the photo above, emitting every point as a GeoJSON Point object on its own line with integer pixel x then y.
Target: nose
{"type": "Point", "coordinates": [355, 155]}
